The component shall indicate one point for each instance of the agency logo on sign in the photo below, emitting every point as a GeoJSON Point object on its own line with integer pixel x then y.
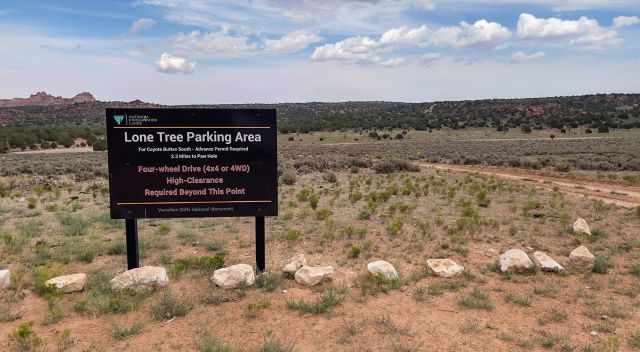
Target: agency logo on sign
{"type": "Point", "coordinates": [118, 118]}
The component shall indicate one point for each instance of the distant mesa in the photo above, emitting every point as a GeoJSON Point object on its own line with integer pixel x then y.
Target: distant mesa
{"type": "Point", "coordinates": [45, 99]}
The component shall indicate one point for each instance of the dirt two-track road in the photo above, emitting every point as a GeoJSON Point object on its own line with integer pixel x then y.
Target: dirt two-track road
{"type": "Point", "coordinates": [608, 192]}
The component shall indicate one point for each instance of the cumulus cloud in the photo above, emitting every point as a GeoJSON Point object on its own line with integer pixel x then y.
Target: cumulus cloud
{"type": "Point", "coordinates": [355, 49]}
{"type": "Point", "coordinates": [214, 44]}
{"type": "Point", "coordinates": [623, 21]}
{"type": "Point", "coordinates": [175, 64]}
{"type": "Point", "coordinates": [141, 25]}
{"type": "Point", "coordinates": [481, 32]}
{"type": "Point", "coordinates": [292, 42]}
{"type": "Point", "coordinates": [584, 32]}
{"type": "Point", "coordinates": [394, 62]}
{"type": "Point", "coordinates": [521, 56]}
{"type": "Point", "coordinates": [363, 49]}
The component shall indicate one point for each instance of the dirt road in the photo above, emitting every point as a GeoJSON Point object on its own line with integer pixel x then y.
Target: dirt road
{"type": "Point", "coordinates": [608, 192]}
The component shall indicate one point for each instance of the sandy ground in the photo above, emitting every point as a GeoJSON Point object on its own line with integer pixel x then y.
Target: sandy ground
{"type": "Point", "coordinates": [608, 192]}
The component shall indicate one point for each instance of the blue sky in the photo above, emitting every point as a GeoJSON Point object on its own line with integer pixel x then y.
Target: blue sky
{"type": "Point", "coordinates": [243, 51]}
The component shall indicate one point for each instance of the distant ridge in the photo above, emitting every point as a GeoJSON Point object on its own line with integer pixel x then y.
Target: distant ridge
{"type": "Point", "coordinates": [600, 111]}
{"type": "Point", "coordinates": [45, 99]}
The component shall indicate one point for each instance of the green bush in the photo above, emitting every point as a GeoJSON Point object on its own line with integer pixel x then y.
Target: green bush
{"type": "Point", "coordinates": [329, 299]}
{"type": "Point", "coordinates": [24, 339]}
{"type": "Point", "coordinates": [73, 225]}
{"type": "Point", "coordinates": [601, 265]}
{"type": "Point", "coordinates": [169, 307]}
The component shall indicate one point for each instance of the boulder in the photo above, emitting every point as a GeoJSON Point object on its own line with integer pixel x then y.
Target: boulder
{"type": "Point", "coordinates": [582, 259]}
{"type": "Point", "coordinates": [295, 263]}
{"type": "Point", "coordinates": [581, 226]}
{"type": "Point", "coordinates": [445, 267]}
{"type": "Point", "coordinates": [234, 276]}
{"type": "Point", "coordinates": [313, 275]}
{"type": "Point", "coordinates": [146, 277]}
{"type": "Point", "coordinates": [515, 260]}
{"type": "Point", "coordinates": [68, 283]}
{"type": "Point", "coordinates": [380, 267]}
{"type": "Point", "coordinates": [5, 279]}
{"type": "Point", "coordinates": [546, 263]}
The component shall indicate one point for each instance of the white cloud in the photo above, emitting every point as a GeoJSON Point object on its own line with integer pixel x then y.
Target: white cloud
{"type": "Point", "coordinates": [213, 44]}
{"type": "Point", "coordinates": [521, 56]}
{"type": "Point", "coordinates": [406, 36]}
{"type": "Point", "coordinates": [141, 25]}
{"type": "Point", "coordinates": [394, 62]}
{"type": "Point", "coordinates": [623, 21]}
{"type": "Point", "coordinates": [482, 32]}
{"type": "Point", "coordinates": [292, 42]}
{"type": "Point", "coordinates": [175, 64]}
{"type": "Point", "coordinates": [355, 49]}
{"type": "Point", "coordinates": [362, 49]}
{"type": "Point", "coordinates": [429, 58]}
{"type": "Point", "coordinates": [583, 32]}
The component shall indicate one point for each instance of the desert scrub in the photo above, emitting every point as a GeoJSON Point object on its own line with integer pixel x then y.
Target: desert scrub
{"type": "Point", "coordinates": [73, 225]}
{"type": "Point", "coordinates": [395, 226]}
{"type": "Point", "coordinates": [330, 298]}
{"type": "Point", "coordinates": [209, 343]}
{"type": "Point", "coordinates": [120, 332]}
{"type": "Point", "coordinates": [476, 299]}
{"type": "Point", "coordinates": [394, 165]}
{"type": "Point", "coordinates": [293, 235]}
{"type": "Point", "coordinates": [374, 284]}
{"type": "Point", "coordinates": [553, 316]}
{"type": "Point", "coordinates": [601, 265]}
{"type": "Point", "coordinates": [288, 177]}
{"type": "Point", "coordinates": [268, 282]}
{"type": "Point", "coordinates": [323, 214]}
{"type": "Point", "coordinates": [254, 308]}
{"type": "Point", "coordinates": [423, 293]}
{"type": "Point", "coordinates": [204, 264]}
{"type": "Point", "coordinates": [99, 298]}
{"type": "Point", "coordinates": [169, 307]}
{"type": "Point", "coordinates": [634, 340]}
{"type": "Point", "coordinates": [24, 339]}
{"type": "Point", "coordinates": [354, 252]}
{"type": "Point", "coordinates": [521, 300]}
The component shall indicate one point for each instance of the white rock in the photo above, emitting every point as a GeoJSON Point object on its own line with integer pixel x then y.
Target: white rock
{"type": "Point", "coordinates": [582, 259]}
{"type": "Point", "coordinates": [380, 267]}
{"type": "Point", "coordinates": [146, 277]}
{"type": "Point", "coordinates": [515, 260]}
{"type": "Point", "coordinates": [295, 263]}
{"type": "Point", "coordinates": [5, 279]}
{"type": "Point", "coordinates": [445, 267]}
{"type": "Point", "coordinates": [546, 263]}
{"type": "Point", "coordinates": [68, 283]}
{"type": "Point", "coordinates": [581, 226]}
{"type": "Point", "coordinates": [313, 275]}
{"type": "Point", "coordinates": [234, 276]}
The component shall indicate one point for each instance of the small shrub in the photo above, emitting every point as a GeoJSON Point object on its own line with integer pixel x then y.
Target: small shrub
{"type": "Point", "coordinates": [273, 345]}
{"type": "Point", "coordinates": [293, 235]}
{"type": "Point", "coordinates": [375, 284]}
{"type": "Point", "coordinates": [330, 298]}
{"type": "Point", "coordinates": [634, 340]}
{"type": "Point", "coordinates": [521, 300]}
{"type": "Point", "coordinates": [635, 270]}
{"type": "Point", "coordinates": [601, 265]}
{"type": "Point", "coordinates": [73, 225]}
{"type": "Point", "coordinates": [163, 229]}
{"type": "Point", "coordinates": [169, 307]}
{"type": "Point", "coordinates": [204, 264]}
{"type": "Point", "coordinates": [122, 332]}
{"type": "Point", "coordinates": [24, 339]}
{"type": "Point", "coordinates": [330, 177]}
{"type": "Point", "coordinates": [209, 343]}
{"type": "Point", "coordinates": [394, 165]}
{"type": "Point", "coordinates": [268, 282]}
{"type": "Point", "coordinates": [394, 227]}
{"type": "Point", "coordinates": [64, 340]}
{"type": "Point", "coordinates": [354, 252]}
{"type": "Point", "coordinates": [476, 299]}
{"type": "Point", "coordinates": [364, 215]}
{"type": "Point", "coordinates": [254, 308]}
{"type": "Point", "coordinates": [323, 214]}
{"type": "Point", "coordinates": [288, 177]}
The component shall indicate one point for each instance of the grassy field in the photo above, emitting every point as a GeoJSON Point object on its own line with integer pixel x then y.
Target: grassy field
{"type": "Point", "coordinates": [339, 207]}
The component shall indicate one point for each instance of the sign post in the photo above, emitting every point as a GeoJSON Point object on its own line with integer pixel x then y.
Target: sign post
{"type": "Point", "coordinates": [181, 163]}
{"type": "Point", "coordinates": [133, 250]}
